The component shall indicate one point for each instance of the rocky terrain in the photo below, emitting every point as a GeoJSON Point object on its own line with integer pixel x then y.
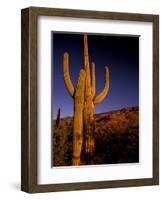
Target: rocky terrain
{"type": "Point", "coordinates": [116, 139]}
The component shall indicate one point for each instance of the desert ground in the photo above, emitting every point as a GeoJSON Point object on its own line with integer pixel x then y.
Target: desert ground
{"type": "Point", "coordinates": [116, 139]}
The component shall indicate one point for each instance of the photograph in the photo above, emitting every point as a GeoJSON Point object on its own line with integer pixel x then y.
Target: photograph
{"type": "Point", "coordinates": [95, 99]}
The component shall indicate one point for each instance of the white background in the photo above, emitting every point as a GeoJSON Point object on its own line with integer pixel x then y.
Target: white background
{"type": "Point", "coordinates": [10, 99]}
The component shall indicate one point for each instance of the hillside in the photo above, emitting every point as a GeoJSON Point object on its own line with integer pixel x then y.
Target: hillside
{"type": "Point", "coordinates": [116, 138]}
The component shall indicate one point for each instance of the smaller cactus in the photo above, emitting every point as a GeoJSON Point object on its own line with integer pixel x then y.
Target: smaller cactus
{"type": "Point", "coordinates": [58, 118]}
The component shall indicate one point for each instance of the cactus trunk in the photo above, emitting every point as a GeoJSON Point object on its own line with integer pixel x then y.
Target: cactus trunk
{"type": "Point", "coordinates": [88, 105]}
{"type": "Point", "coordinates": [78, 118]}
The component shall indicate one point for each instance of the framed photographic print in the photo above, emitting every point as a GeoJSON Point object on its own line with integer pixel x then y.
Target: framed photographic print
{"type": "Point", "coordinates": [90, 100]}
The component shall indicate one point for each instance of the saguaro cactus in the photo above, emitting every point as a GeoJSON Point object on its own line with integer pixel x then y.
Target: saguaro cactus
{"type": "Point", "coordinates": [58, 118]}
{"type": "Point", "coordinates": [91, 99]}
{"type": "Point", "coordinates": [78, 95]}
{"type": "Point", "coordinates": [84, 102]}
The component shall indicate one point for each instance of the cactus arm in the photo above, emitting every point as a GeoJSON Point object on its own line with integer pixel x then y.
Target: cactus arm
{"type": "Point", "coordinates": [93, 80]}
{"type": "Point", "coordinates": [86, 62]}
{"type": "Point", "coordinates": [86, 57]}
{"type": "Point", "coordinates": [78, 118]}
{"type": "Point", "coordinates": [66, 74]}
{"type": "Point", "coordinates": [105, 90]}
{"type": "Point", "coordinates": [87, 68]}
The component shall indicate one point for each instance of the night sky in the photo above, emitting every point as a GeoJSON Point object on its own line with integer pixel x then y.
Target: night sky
{"type": "Point", "coordinates": [120, 53]}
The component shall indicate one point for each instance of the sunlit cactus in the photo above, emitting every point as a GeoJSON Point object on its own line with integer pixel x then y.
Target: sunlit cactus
{"type": "Point", "coordinates": [85, 99]}
{"type": "Point", "coordinates": [78, 118]}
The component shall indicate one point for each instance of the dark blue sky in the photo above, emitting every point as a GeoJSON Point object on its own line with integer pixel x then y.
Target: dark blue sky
{"type": "Point", "coordinates": [121, 53]}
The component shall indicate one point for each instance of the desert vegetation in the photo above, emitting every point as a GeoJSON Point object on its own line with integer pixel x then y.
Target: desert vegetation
{"type": "Point", "coordinates": [116, 138]}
